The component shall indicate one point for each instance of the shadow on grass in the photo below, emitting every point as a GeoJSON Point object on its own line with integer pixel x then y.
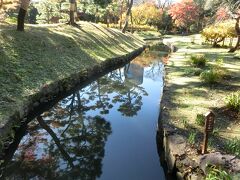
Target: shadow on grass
{"type": "Point", "coordinates": [224, 117]}
{"type": "Point", "coordinates": [41, 55]}
{"type": "Point", "coordinates": [32, 58]}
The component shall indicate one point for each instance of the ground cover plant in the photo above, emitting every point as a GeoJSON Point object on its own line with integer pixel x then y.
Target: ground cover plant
{"type": "Point", "coordinates": [233, 146]}
{"type": "Point", "coordinates": [215, 173]}
{"type": "Point", "coordinates": [233, 101]}
{"type": "Point", "coordinates": [198, 60]}
{"type": "Point", "coordinates": [200, 119]}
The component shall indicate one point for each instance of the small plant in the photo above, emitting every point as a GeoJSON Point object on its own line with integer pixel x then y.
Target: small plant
{"type": "Point", "coordinates": [192, 138]}
{"type": "Point", "coordinates": [216, 131]}
{"type": "Point", "coordinates": [193, 71]}
{"type": "Point", "coordinates": [211, 76]}
{"type": "Point", "coordinates": [215, 73]}
{"type": "Point", "coordinates": [200, 120]}
{"type": "Point", "coordinates": [219, 63]}
{"type": "Point", "coordinates": [233, 101]}
{"type": "Point", "coordinates": [233, 146]}
{"type": "Point", "coordinates": [211, 142]}
{"type": "Point", "coordinates": [198, 60]}
{"type": "Point", "coordinates": [215, 173]}
{"type": "Point", "coordinates": [184, 122]}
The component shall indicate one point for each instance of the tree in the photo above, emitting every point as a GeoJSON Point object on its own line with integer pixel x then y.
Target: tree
{"type": "Point", "coordinates": [222, 14]}
{"type": "Point", "coordinates": [22, 14]}
{"type": "Point", "coordinates": [166, 23]}
{"type": "Point", "coordinates": [146, 13]}
{"type": "Point", "coordinates": [102, 3]}
{"type": "Point", "coordinates": [237, 29]}
{"type": "Point", "coordinates": [32, 17]}
{"type": "Point", "coordinates": [121, 13]}
{"type": "Point", "coordinates": [232, 8]}
{"type": "Point", "coordinates": [7, 6]}
{"type": "Point", "coordinates": [184, 13]}
{"type": "Point", "coordinates": [48, 10]}
{"type": "Point", "coordinates": [72, 10]}
{"type": "Point", "coordinates": [218, 32]}
{"type": "Point", "coordinates": [129, 5]}
{"type": "Point", "coordinates": [234, 11]}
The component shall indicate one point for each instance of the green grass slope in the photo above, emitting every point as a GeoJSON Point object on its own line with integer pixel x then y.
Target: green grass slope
{"type": "Point", "coordinates": [43, 54]}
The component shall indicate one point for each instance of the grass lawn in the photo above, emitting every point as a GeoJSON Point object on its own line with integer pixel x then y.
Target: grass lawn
{"type": "Point", "coordinates": [148, 34]}
{"type": "Point", "coordinates": [45, 53]}
{"type": "Point", "coordinates": [186, 95]}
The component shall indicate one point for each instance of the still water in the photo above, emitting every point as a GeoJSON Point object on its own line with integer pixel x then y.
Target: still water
{"type": "Point", "coordinates": [106, 130]}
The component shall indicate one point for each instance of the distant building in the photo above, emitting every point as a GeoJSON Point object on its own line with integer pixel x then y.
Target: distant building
{"type": "Point", "coordinates": [134, 73]}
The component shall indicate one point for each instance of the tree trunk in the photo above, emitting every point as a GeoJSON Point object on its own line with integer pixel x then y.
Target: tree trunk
{"type": "Point", "coordinates": [131, 22]}
{"type": "Point", "coordinates": [1, 4]}
{"type": "Point", "coordinates": [72, 9]}
{"type": "Point", "coordinates": [127, 16]}
{"type": "Point", "coordinates": [236, 46]}
{"type": "Point", "coordinates": [121, 11]}
{"type": "Point", "coordinates": [231, 41]}
{"type": "Point", "coordinates": [237, 29]}
{"type": "Point", "coordinates": [21, 14]}
{"type": "Point", "coordinates": [96, 15]}
{"type": "Point", "coordinates": [75, 12]}
{"type": "Point", "coordinates": [56, 140]}
{"type": "Point", "coordinates": [216, 41]}
{"type": "Point", "coordinates": [108, 19]}
{"type": "Point", "coordinates": [48, 15]}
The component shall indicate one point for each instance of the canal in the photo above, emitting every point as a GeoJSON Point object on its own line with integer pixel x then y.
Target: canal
{"type": "Point", "coordinates": [106, 130]}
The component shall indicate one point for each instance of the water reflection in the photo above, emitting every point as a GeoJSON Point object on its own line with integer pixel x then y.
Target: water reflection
{"type": "Point", "coordinates": [69, 140]}
{"type": "Point", "coordinates": [134, 73]}
{"type": "Point", "coordinates": [71, 148]}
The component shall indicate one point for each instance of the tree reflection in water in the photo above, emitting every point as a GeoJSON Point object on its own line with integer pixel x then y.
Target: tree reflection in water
{"type": "Point", "coordinates": [68, 141]}
{"type": "Point", "coordinates": [55, 152]}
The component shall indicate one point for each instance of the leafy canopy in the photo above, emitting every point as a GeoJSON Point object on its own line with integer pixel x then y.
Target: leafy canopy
{"type": "Point", "coordinates": [184, 13]}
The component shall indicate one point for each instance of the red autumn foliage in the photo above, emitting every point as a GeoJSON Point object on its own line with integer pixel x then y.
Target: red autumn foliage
{"type": "Point", "coordinates": [222, 14]}
{"type": "Point", "coordinates": [184, 13]}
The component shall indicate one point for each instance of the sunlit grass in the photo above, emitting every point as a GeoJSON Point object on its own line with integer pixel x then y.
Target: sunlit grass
{"type": "Point", "coordinates": [46, 53]}
{"type": "Point", "coordinates": [187, 95]}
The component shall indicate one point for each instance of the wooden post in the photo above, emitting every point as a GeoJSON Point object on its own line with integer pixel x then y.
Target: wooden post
{"type": "Point", "coordinates": [209, 123]}
{"type": "Point", "coordinates": [205, 143]}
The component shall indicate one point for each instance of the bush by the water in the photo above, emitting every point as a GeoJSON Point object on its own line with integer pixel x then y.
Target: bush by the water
{"type": "Point", "coordinates": [198, 60]}
{"type": "Point", "coordinates": [233, 101]}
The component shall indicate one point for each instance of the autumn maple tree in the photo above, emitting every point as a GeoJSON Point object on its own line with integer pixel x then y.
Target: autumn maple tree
{"type": "Point", "coordinates": [222, 14]}
{"type": "Point", "coordinates": [184, 13]}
